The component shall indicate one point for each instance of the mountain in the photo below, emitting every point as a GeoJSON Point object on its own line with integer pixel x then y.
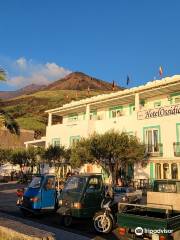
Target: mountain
{"type": "Point", "coordinates": [81, 81]}
{"type": "Point", "coordinates": [28, 105]}
{"type": "Point", "coordinates": [32, 88]}
{"type": "Point", "coordinates": [73, 81]}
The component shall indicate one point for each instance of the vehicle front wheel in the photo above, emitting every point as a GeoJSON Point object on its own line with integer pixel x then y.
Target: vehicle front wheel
{"type": "Point", "coordinates": [103, 223]}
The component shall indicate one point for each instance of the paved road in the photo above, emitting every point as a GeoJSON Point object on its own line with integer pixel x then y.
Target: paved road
{"type": "Point", "coordinates": [8, 205]}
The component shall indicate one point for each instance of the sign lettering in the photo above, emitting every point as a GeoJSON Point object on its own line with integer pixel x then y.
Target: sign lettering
{"type": "Point", "coordinates": [159, 112]}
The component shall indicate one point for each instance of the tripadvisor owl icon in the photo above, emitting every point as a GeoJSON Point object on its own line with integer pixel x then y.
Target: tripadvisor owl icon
{"type": "Point", "coordinates": [139, 231]}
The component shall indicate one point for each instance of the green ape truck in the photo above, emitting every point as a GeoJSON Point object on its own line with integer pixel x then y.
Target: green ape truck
{"type": "Point", "coordinates": [158, 220]}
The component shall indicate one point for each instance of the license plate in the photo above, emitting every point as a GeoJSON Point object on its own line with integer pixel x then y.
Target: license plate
{"type": "Point", "coordinates": [155, 237]}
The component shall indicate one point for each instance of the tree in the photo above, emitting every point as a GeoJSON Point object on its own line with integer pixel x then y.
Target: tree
{"type": "Point", "coordinates": [112, 150]}
{"type": "Point", "coordinates": [5, 155]}
{"type": "Point", "coordinates": [19, 156]}
{"type": "Point", "coordinates": [3, 75]}
{"type": "Point", "coordinates": [5, 118]}
{"type": "Point", "coordinates": [55, 155]}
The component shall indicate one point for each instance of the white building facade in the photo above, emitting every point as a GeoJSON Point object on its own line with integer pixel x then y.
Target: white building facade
{"type": "Point", "coordinates": [151, 112]}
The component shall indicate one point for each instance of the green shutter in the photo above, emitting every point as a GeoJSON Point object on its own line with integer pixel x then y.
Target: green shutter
{"type": "Point", "coordinates": [131, 106]}
{"type": "Point", "coordinates": [151, 170]}
{"type": "Point", "coordinates": [157, 104]}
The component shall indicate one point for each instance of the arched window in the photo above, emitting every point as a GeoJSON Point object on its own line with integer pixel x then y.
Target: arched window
{"type": "Point", "coordinates": [165, 170]}
{"type": "Point", "coordinates": [158, 171]}
{"type": "Point", "coordinates": [174, 171]}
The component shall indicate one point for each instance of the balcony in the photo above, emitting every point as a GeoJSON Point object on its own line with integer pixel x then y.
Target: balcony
{"type": "Point", "coordinates": [176, 147]}
{"type": "Point", "coordinates": [155, 150]}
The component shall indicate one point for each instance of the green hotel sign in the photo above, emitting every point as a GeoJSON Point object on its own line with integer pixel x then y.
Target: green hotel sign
{"type": "Point", "coordinates": [159, 112]}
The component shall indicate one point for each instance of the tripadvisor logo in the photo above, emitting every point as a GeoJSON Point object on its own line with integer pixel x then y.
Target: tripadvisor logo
{"type": "Point", "coordinates": [139, 231]}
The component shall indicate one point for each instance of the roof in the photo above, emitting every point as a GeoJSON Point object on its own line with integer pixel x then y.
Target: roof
{"type": "Point", "coordinates": [123, 93]}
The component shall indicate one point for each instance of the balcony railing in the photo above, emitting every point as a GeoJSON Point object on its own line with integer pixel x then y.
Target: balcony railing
{"type": "Point", "coordinates": [155, 150]}
{"type": "Point", "coordinates": [176, 147]}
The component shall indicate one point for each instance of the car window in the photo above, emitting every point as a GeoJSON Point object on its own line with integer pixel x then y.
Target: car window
{"type": "Point", "coordinates": [94, 184]}
{"type": "Point", "coordinates": [36, 182]}
{"type": "Point", "coordinates": [75, 184]}
{"type": "Point", "coordinates": [167, 187]}
{"type": "Point", "coordinates": [50, 183]}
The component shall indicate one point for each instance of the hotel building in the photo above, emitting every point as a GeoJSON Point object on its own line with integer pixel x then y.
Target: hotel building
{"type": "Point", "coordinates": [151, 112]}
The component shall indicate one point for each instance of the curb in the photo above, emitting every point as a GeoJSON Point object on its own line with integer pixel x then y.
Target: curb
{"type": "Point", "coordinates": [15, 228]}
{"type": "Point", "coordinates": [11, 229]}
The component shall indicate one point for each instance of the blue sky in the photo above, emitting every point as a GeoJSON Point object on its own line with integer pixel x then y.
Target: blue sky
{"type": "Point", "coordinates": [42, 40]}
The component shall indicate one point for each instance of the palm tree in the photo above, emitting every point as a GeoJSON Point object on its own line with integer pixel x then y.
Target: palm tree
{"type": "Point", "coordinates": [2, 75]}
{"type": "Point", "coordinates": [5, 118]}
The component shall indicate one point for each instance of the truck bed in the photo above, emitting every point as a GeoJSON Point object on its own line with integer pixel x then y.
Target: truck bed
{"type": "Point", "coordinates": [147, 217]}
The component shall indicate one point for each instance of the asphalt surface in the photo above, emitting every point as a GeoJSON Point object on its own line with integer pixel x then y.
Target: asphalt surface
{"type": "Point", "coordinates": [82, 227]}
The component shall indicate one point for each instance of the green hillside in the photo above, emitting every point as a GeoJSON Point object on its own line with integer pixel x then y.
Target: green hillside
{"type": "Point", "coordinates": [29, 110]}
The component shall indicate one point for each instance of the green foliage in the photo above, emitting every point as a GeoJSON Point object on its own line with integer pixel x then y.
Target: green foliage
{"type": "Point", "coordinates": [3, 75]}
{"type": "Point", "coordinates": [111, 150]}
{"type": "Point", "coordinates": [9, 122]}
{"type": "Point", "coordinates": [23, 157]}
{"type": "Point", "coordinates": [81, 153]}
{"type": "Point", "coordinates": [31, 123]}
{"type": "Point", "coordinates": [5, 155]}
{"type": "Point", "coordinates": [29, 109]}
{"type": "Point", "coordinates": [54, 154]}
{"type": "Point", "coordinates": [20, 157]}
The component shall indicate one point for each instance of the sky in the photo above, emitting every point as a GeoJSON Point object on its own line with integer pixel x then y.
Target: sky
{"type": "Point", "coordinates": [44, 40]}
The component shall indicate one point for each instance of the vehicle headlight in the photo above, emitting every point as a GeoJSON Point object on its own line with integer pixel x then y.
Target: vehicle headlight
{"type": "Point", "coordinates": [77, 205]}
{"type": "Point", "coordinates": [60, 202]}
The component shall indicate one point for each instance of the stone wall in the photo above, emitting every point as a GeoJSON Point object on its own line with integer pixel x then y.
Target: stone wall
{"type": "Point", "coordinates": [8, 140]}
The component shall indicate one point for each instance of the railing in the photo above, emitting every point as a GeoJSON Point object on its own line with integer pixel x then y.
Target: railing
{"type": "Point", "coordinates": [176, 147]}
{"type": "Point", "coordinates": [155, 150]}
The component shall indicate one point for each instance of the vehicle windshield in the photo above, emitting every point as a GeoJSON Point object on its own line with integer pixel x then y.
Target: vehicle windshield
{"type": "Point", "coordinates": [36, 182]}
{"type": "Point", "coordinates": [167, 187]}
{"type": "Point", "coordinates": [75, 184]}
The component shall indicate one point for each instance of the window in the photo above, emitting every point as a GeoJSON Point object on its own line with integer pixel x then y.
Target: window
{"type": "Point", "coordinates": [142, 103]}
{"type": "Point", "coordinates": [93, 114]}
{"type": "Point", "coordinates": [73, 117]}
{"type": "Point", "coordinates": [75, 184]}
{"type": "Point", "coordinates": [158, 171]}
{"type": "Point", "coordinates": [115, 112]}
{"type": "Point", "coordinates": [56, 142]}
{"type": "Point", "coordinates": [152, 140]}
{"type": "Point", "coordinates": [50, 183]}
{"type": "Point", "coordinates": [174, 98]}
{"type": "Point", "coordinates": [174, 171]}
{"type": "Point", "coordinates": [177, 99]}
{"type": "Point", "coordinates": [167, 187]}
{"type": "Point", "coordinates": [74, 140]}
{"type": "Point", "coordinates": [165, 170]}
{"type": "Point", "coordinates": [36, 182]}
{"type": "Point", "coordinates": [94, 184]}
{"type": "Point", "coordinates": [157, 104]}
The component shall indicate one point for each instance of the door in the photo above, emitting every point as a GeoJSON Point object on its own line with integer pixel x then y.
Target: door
{"type": "Point", "coordinates": [152, 140]}
{"type": "Point", "coordinates": [48, 193]}
{"type": "Point", "coordinates": [93, 195]}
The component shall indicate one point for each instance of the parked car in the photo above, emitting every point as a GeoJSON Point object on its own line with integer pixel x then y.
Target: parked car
{"type": "Point", "coordinates": [127, 194]}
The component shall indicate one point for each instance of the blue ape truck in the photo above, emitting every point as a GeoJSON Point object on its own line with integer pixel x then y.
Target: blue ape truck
{"type": "Point", "coordinates": [81, 196]}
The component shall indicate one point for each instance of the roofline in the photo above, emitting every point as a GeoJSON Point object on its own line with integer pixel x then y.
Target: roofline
{"type": "Point", "coordinates": [149, 85]}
